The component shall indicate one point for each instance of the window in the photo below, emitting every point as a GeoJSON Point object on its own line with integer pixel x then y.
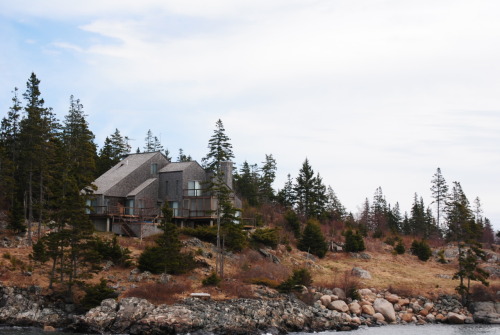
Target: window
{"type": "Point", "coordinates": [175, 208]}
{"type": "Point", "coordinates": [154, 168]}
{"type": "Point", "coordinates": [129, 209]}
{"type": "Point", "coordinates": [194, 188]}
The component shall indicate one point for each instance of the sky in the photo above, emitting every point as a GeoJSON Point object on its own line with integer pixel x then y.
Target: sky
{"type": "Point", "coordinates": [373, 93]}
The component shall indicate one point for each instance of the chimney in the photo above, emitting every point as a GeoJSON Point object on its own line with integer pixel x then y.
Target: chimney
{"type": "Point", "coordinates": [227, 170]}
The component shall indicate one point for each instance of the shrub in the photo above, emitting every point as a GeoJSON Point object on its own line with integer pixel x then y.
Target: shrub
{"type": "Point", "coordinates": [299, 277]}
{"type": "Point", "coordinates": [293, 222]}
{"type": "Point", "coordinates": [204, 233]}
{"type": "Point", "coordinates": [266, 236]}
{"type": "Point", "coordinates": [212, 280]}
{"type": "Point", "coordinates": [400, 248]}
{"type": "Point", "coordinates": [353, 241]}
{"type": "Point", "coordinates": [153, 260]}
{"type": "Point", "coordinates": [421, 249]}
{"type": "Point", "coordinates": [441, 258]}
{"type": "Point", "coordinates": [94, 294]}
{"type": "Point", "coordinates": [393, 240]}
{"type": "Point", "coordinates": [112, 251]}
{"type": "Point", "coordinates": [378, 233]}
{"type": "Point", "coordinates": [313, 240]}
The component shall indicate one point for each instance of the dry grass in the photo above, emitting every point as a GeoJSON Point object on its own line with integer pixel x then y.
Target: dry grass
{"type": "Point", "coordinates": [157, 293]}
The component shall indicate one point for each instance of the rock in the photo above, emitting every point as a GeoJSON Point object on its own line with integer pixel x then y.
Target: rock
{"type": "Point", "coordinates": [164, 278]}
{"type": "Point", "coordinates": [455, 318]}
{"type": "Point", "coordinates": [267, 253]}
{"type": "Point", "coordinates": [379, 317]}
{"type": "Point", "coordinates": [48, 329]}
{"type": "Point", "coordinates": [430, 318]}
{"type": "Point", "coordinates": [368, 309]}
{"type": "Point", "coordinates": [407, 317]}
{"type": "Point", "coordinates": [359, 272]}
{"type": "Point", "coordinates": [404, 302]}
{"type": "Point", "coordinates": [355, 308]}
{"type": "Point", "coordinates": [385, 308]}
{"type": "Point", "coordinates": [486, 312]}
{"type": "Point", "coordinates": [443, 276]}
{"type": "Point", "coordinates": [107, 266]}
{"type": "Point", "coordinates": [392, 298]}
{"type": "Point", "coordinates": [356, 320]}
{"type": "Point", "coordinates": [338, 305]}
{"type": "Point", "coordinates": [325, 300]}
{"type": "Point", "coordinates": [339, 293]}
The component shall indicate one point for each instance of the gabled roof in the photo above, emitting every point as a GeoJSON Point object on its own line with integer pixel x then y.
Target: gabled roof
{"type": "Point", "coordinates": [126, 166]}
{"type": "Point", "coordinates": [177, 166]}
{"type": "Point", "coordinates": [141, 187]}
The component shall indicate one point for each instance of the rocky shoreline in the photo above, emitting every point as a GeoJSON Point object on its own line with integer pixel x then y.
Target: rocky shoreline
{"type": "Point", "coordinates": [330, 310]}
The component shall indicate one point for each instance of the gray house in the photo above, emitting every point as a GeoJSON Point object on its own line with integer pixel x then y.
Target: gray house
{"type": "Point", "coordinates": [129, 195]}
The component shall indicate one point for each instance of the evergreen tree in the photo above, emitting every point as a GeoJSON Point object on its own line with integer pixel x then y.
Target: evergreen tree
{"type": "Point", "coordinates": [334, 207]}
{"type": "Point", "coordinates": [353, 241]}
{"type": "Point", "coordinates": [115, 148]}
{"type": "Point", "coordinates": [439, 191]}
{"type": "Point", "coordinates": [38, 135]}
{"type": "Point", "coordinates": [378, 212]}
{"type": "Point", "coordinates": [220, 150]}
{"type": "Point", "coordinates": [312, 239]}
{"type": "Point", "coordinates": [247, 183]}
{"type": "Point", "coordinates": [183, 157]}
{"type": "Point", "coordinates": [286, 196]}
{"type": "Point", "coordinates": [267, 177]}
{"type": "Point", "coordinates": [310, 192]}
{"type": "Point", "coordinates": [152, 143]}
{"type": "Point", "coordinates": [166, 256]}
{"type": "Point", "coordinates": [394, 220]}
{"type": "Point", "coordinates": [463, 228]}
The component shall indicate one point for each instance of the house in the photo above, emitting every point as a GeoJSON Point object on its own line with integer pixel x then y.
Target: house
{"type": "Point", "coordinates": [129, 196]}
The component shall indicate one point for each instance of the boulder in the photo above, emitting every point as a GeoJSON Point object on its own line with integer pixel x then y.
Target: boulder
{"type": "Point", "coordinates": [325, 300]}
{"type": "Point", "coordinates": [355, 308]}
{"type": "Point", "coordinates": [486, 312]}
{"type": "Point", "coordinates": [407, 317]}
{"type": "Point", "coordinates": [368, 309]}
{"type": "Point", "coordinates": [455, 318]}
{"type": "Point", "coordinates": [385, 308]}
{"type": "Point", "coordinates": [430, 318]}
{"type": "Point", "coordinates": [359, 272]}
{"type": "Point", "coordinates": [339, 293]}
{"type": "Point", "coordinates": [392, 298]}
{"type": "Point", "coordinates": [339, 306]}
{"type": "Point", "coordinates": [379, 317]}
{"type": "Point", "coordinates": [403, 302]}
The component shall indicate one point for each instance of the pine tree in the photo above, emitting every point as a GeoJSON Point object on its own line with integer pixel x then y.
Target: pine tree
{"type": "Point", "coordinates": [247, 183]}
{"type": "Point", "coordinates": [439, 191]}
{"type": "Point", "coordinates": [115, 148]}
{"type": "Point", "coordinates": [183, 157]}
{"type": "Point", "coordinates": [220, 150]}
{"type": "Point", "coordinates": [310, 192]}
{"type": "Point", "coordinates": [267, 177]}
{"type": "Point", "coordinates": [286, 196]}
{"type": "Point", "coordinates": [334, 207]}
{"type": "Point", "coordinates": [312, 239]}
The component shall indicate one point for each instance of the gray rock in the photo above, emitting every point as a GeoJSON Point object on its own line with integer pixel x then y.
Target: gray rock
{"type": "Point", "coordinates": [359, 272]}
{"type": "Point", "coordinates": [385, 308]}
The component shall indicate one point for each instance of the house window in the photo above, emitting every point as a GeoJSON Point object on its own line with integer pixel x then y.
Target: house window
{"type": "Point", "coordinates": [154, 168]}
{"type": "Point", "coordinates": [175, 207]}
{"type": "Point", "coordinates": [194, 188]}
{"type": "Point", "coordinates": [129, 209]}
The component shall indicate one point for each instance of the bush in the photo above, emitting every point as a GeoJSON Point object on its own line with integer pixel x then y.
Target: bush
{"type": "Point", "coordinates": [393, 240]}
{"type": "Point", "coordinates": [204, 233]}
{"type": "Point", "coordinates": [353, 241]}
{"type": "Point", "coordinates": [421, 249]}
{"type": "Point", "coordinates": [293, 222]}
{"type": "Point", "coordinates": [266, 236]}
{"type": "Point", "coordinates": [94, 294]}
{"type": "Point", "coordinates": [112, 251]}
{"type": "Point", "coordinates": [298, 278]}
{"type": "Point", "coordinates": [212, 280]}
{"type": "Point", "coordinates": [153, 260]}
{"type": "Point", "coordinates": [313, 240]}
{"type": "Point", "coordinates": [441, 258]}
{"type": "Point", "coordinates": [400, 248]}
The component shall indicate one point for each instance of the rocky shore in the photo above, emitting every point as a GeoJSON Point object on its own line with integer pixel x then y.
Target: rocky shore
{"type": "Point", "coordinates": [330, 310]}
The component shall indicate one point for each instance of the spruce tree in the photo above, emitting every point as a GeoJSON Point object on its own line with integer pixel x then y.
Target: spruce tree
{"type": "Point", "coordinates": [312, 239]}
{"type": "Point", "coordinates": [267, 177]}
{"type": "Point", "coordinates": [439, 191]}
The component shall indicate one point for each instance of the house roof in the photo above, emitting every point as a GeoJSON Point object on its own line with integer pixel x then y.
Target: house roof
{"type": "Point", "coordinates": [141, 187]}
{"type": "Point", "coordinates": [114, 175]}
{"type": "Point", "coordinates": [177, 166]}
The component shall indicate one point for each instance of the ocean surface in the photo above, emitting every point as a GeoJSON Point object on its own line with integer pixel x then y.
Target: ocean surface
{"type": "Point", "coordinates": [439, 329]}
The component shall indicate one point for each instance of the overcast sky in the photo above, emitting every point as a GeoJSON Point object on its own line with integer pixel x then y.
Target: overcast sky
{"type": "Point", "coordinates": [374, 93]}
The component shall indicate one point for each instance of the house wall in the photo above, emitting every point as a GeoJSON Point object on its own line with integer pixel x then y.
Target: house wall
{"type": "Point", "coordinates": [149, 195]}
{"type": "Point", "coordinates": [176, 189]}
{"type": "Point", "coordinates": [137, 177]}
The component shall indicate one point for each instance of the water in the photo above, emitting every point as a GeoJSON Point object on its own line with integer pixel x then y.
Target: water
{"type": "Point", "coordinates": [439, 329]}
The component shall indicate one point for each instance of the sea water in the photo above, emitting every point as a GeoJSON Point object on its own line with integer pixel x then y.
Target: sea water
{"type": "Point", "coordinates": [439, 329]}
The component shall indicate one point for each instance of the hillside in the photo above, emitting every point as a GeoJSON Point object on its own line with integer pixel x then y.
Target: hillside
{"type": "Point", "coordinates": [403, 274]}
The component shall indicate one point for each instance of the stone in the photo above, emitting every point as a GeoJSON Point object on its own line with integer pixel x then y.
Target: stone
{"type": "Point", "coordinates": [379, 317]}
{"type": "Point", "coordinates": [368, 309]}
{"type": "Point", "coordinates": [355, 308]}
{"type": "Point", "coordinates": [392, 298]}
{"type": "Point", "coordinates": [340, 293]}
{"type": "Point", "coordinates": [325, 300]}
{"type": "Point", "coordinates": [338, 305]}
{"type": "Point", "coordinates": [404, 302]}
{"type": "Point", "coordinates": [455, 318]}
{"type": "Point", "coordinates": [48, 329]}
{"type": "Point", "coordinates": [385, 308]}
{"type": "Point", "coordinates": [407, 317]}
{"type": "Point", "coordinates": [359, 272]}
{"type": "Point", "coordinates": [430, 318]}
{"type": "Point", "coordinates": [356, 320]}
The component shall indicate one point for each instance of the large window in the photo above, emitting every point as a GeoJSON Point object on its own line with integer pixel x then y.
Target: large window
{"type": "Point", "coordinates": [129, 209]}
{"type": "Point", "coordinates": [194, 188]}
{"type": "Point", "coordinates": [154, 168]}
{"type": "Point", "coordinates": [174, 205]}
